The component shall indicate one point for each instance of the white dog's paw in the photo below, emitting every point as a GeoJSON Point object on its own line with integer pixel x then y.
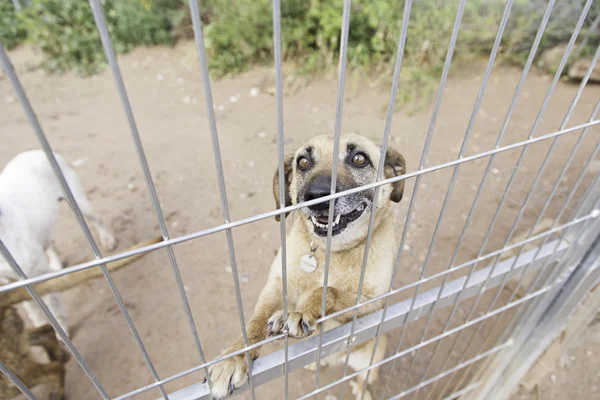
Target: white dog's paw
{"type": "Point", "coordinates": [312, 367]}
{"type": "Point", "coordinates": [107, 240]}
{"type": "Point", "coordinates": [298, 325]}
{"type": "Point", "coordinates": [228, 375]}
{"type": "Point", "coordinates": [357, 389]}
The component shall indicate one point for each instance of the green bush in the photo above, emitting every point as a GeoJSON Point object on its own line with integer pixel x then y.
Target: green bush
{"type": "Point", "coordinates": [240, 37]}
{"type": "Point", "coordinates": [12, 31]}
{"type": "Point", "coordinates": [144, 22]}
{"type": "Point", "coordinates": [65, 32]}
{"type": "Point", "coordinates": [239, 34]}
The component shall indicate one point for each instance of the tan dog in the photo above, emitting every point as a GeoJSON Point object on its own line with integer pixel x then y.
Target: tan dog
{"type": "Point", "coordinates": [308, 177]}
{"type": "Point", "coordinates": [15, 340]}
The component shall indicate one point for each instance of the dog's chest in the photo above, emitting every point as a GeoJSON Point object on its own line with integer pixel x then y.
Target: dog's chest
{"type": "Point", "coordinates": [343, 273]}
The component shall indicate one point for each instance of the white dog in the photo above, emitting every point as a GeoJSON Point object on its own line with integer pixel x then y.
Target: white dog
{"type": "Point", "coordinates": [29, 196]}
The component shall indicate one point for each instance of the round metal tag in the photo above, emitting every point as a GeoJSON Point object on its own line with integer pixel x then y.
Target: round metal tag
{"type": "Point", "coordinates": [308, 263]}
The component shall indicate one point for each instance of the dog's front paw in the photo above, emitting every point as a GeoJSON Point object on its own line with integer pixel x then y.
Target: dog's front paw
{"type": "Point", "coordinates": [275, 324]}
{"type": "Point", "coordinates": [107, 240]}
{"type": "Point", "coordinates": [357, 391]}
{"type": "Point", "coordinates": [228, 375]}
{"type": "Point", "coordinates": [299, 325]}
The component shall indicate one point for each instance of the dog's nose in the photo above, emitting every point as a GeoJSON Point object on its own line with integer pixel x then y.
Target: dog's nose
{"type": "Point", "coordinates": [319, 187]}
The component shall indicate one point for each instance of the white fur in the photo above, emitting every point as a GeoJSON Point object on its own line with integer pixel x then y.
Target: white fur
{"type": "Point", "coordinates": [29, 196]}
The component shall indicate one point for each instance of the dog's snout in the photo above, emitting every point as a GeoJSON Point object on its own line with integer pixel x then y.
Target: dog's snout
{"type": "Point", "coordinates": [317, 188]}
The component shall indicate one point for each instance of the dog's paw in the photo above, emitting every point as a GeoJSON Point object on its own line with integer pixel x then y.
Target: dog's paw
{"type": "Point", "coordinates": [312, 367]}
{"type": "Point", "coordinates": [357, 390]}
{"type": "Point", "coordinates": [275, 324]}
{"type": "Point", "coordinates": [107, 240]}
{"type": "Point", "coordinates": [298, 325]}
{"type": "Point", "coordinates": [228, 375]}
{"type": "Point", "coordinates": [61, 354]}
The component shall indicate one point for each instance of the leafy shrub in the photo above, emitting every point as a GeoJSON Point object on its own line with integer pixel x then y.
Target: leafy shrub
{"type": "Point", "coordinates": [12, 31]}
{"type": "Point", "coordinates": [65, 31]}
{"type": "Point", "coordinates": [239, 37]}
{"type": "Point", "coordinates": [144, 22]}
{"type": "Point", "coordinates": [240, 34]}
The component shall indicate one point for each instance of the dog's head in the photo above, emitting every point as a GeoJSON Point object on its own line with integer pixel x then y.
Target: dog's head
{"type": "Point", "coordinates": [308, 177]}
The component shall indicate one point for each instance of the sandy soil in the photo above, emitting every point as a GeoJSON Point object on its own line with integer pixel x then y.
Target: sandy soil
{"type": "Point", "coordinates": [83, 120]}
{"type": "Point", "coordinates": [576, 376]}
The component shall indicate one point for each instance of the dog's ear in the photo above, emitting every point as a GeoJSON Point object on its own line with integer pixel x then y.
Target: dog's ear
{"type": "Point", "coordinates": [287, 170]}
{"type": "Point", "coordinates": [395, 166]}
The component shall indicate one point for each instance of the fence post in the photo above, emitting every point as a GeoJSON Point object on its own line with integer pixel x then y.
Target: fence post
{"type": "Point", "coordinates": [578, 274]}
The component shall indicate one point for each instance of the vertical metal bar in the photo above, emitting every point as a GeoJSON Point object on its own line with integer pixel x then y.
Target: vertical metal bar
{"type": "Point", "coordinates": [523, 313]}
{"type": "Point", "coordinates": [380, 170]}
{"type": "Point", "coordinates": [17, 5]}
{"type": "Point", "coordinates": [334, 167]}
{"type": "Point", "coordinates": [541, 269]}
{"type": "Point", "coordinates": [535, 281]}
{"type": "Point", "coordinates": [486, 173]}
{"type": "Point", "coordinates": [112, 60]}
{"type": "Point", "coordinates": [412, 203]}
{"type": "Point", "coordinates": [456, 169]}
{"type": "Point", "coordinates": [16, 381]}
{"type": "Point", "coordinates": [197, 25]}
{"type": "Point", "coordinates": [556, 220]}
{"type": "Point", "coordinates": [519, 162]}
{"type": "Point", "coordinates": [538, 178]}
{"type": "Point", "coordinates": [59, 330]}
{"type": "Point", "coordinates": [590, 32]}
{"type": "Point", "coordinates": [456, 368]}
{"type": "Point", "coordinates": [565, 167]}
{"type": "Point", "coordinates": [498, 319]}
{"type": "Point", "coordinates": [489, 67]}
{"type": "Point", "coordinates": [445, 71]}
{"type": "Point", "coordinates": [532, 343]}
{"type": "Point", "coordinates": [73, 204]}
{"type": "Point", "coordinates": [282, 180]}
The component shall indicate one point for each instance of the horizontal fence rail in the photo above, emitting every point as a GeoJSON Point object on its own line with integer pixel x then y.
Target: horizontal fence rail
{"type": "Point", "coordinates": [336, 340]}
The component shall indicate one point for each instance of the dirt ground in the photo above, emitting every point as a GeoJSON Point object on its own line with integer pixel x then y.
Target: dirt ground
{"type": "Point", "coordinates": [576, 375]}
{"type": "Point", "coordinates": [83, 120]}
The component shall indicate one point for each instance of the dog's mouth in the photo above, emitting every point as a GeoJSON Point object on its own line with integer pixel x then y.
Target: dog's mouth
{"type": "Point", "coordinates": [340, 221]}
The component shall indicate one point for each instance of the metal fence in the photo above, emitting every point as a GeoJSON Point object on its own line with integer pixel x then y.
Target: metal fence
{"type": "Point", "coordinates": [550, 269]}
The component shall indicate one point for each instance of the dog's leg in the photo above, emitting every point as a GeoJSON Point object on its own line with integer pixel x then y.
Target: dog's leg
{"type": "Point", "coordinates": [56, 306]}
{"type": "Point", "coordinates": [52, 374]}
{"type": "Point", "coordinates": [332, 360]}
{"type": "Point", "coordinates": [53, 259]}
{"type": "Point", "coordinates": [360, 358]}
{"type": "Point", "coordinates": [53, 300]}
{"type": "Point", "coordinates": [45, 337]}
{"type": "Point", "coordinates": [232, 373]}
{"type": "Point", "coordinates": [302, 322]}
{"type": "Point", "coordinates": [107, 239]}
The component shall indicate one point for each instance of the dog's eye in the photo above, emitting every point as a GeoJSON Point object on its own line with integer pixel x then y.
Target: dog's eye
{"type": "Point", "coordinates": [359, 159]}
{"type": "Point", "coordinates": [303, 163]}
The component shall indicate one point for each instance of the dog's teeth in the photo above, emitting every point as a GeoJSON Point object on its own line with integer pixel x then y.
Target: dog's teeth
{"type": "Point", "coordinates": [337, 219]}
{"type": "Point", "coordinates": [314, 220]}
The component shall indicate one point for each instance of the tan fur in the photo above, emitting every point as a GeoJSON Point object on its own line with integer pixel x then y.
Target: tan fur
{"type": "Point", "coordinates": [15, 340]}
{"type": "Point", "coordinates": [305, 289]}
